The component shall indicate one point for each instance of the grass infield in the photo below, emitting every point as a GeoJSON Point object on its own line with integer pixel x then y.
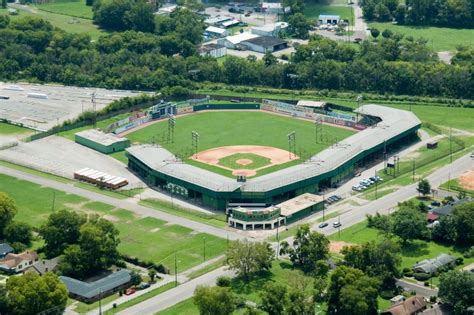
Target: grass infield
{"type": "Point", "coordinates": [257, 161]}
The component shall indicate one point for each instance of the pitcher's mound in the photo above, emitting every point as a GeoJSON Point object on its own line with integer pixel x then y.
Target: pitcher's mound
{"type": "Point", "coordinates": [244, 161]}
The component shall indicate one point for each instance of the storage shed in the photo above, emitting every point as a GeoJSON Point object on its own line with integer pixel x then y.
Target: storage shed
{"type": "Point", "coordinates": [103, 142]}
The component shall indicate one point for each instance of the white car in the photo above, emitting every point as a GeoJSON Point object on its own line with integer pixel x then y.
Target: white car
{"type": "Point", "coordinates": [472, 155]}
{"type": "Point", "coordinates": [336, 224]}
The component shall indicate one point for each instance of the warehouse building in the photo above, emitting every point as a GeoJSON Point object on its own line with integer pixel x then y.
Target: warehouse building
{"type": "Point", "coordinates": [103, 142]}
{"type": "Point", "coordinates": [232, 42]}
{"type": "Point", "coordinates": [329, 19]}
{"type": "Point", "coordinates": [263, 44]}
{"type": "Point", "coordinates": [215, 32]}
{"type": "Point", "coordinates": [160, 168]}
{"type": "Point", "coordinates": [212, 50]}
{"type": "Point", "coordinates": [273, 29]}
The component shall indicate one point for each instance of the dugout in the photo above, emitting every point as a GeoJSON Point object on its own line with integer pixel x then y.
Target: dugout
{"type": "Point", "coordinates": [103, 142]}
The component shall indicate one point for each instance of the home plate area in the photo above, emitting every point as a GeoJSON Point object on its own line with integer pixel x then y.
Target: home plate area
{"type": "Point", "coordinates": [244, 160]}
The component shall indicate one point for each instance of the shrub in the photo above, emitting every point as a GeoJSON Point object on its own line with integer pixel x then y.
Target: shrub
{"type": "Point", "coordinates": [405, 270]}
{"type": "Point", "coordinates": [386, 294]}
{"type": "Point", "coordinates": [408, 274]}
{"type": "Point", "coordinates": [433, 299]}
{"type": "Point", "coordinates": [427, 284]}
{"type": "Point", "coordinates": [421, 276]}
{"type": "Point", "coordinates": [469, 253]}
{"type": "Point", "coordinates": [459, 261]}
{"type": "Point", "coordinates": [223, 281]}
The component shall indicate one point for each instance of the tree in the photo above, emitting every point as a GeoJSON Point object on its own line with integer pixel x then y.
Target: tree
{"type": "Point", "coordinates": [457, 290]}
{"type": "Point", "coordinates": [380, 260]}
{"type": "Point", "coordinates": [89, 3]}
{"type": "Point", "coordinates": [424, 187]}
{"type": "Point", "coordinates": [247, 257]}
{"type": "Point", "coordinates": [110, 14]}
{"type": "Point", "coordinates": [4, 4]}
{"type": "Point", "coordinates": [3, 300]}
{"type": "Point", "coordinates": [387, 33]}
{"type": "Point", "coordinates": [299, 25]}
{"type": "Point", "coordinates": [152, 274]}
{"type": "Point", "coordinates": [374, 32]}
{"type": "Point", "coordinates": [352, 292]}
{"type": "Point", "coordinates": [60, 230]}
{"type": "Point", "coordinates": [140, 17]}
{"type": "Point", "coordinates": [4, 21]}
{"type": "Point", "coordinates": [96, 250]}
{"type": "Point", "coordinates": [463, 217]}
{"type": "Point", "coordinates": [214, 300]}
{"type": "Point", "coordinates": [274, 298]}
{"type": "Point", "coordinates": [307, 249]}
{"type": "Point", "coordinates": [320, 284]}
{"type": "Point", "coordinates": [8, 210]}
{"type": "Point", "coordinates": [18, 232]}
{"type": "Point", "coordinates": [269, 59]}
{"type": "Point", "coordinates": [33, 294]}
{"type": "Point", "coordinates": [408, 224]}
{"type": "Point", "coordinates": [299, 303]}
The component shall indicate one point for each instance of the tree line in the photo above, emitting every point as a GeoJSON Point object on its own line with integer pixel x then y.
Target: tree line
{"type": "Point", "coordinates": [446, 13]}
{"type": "Point", "coordinates": [31, 49]}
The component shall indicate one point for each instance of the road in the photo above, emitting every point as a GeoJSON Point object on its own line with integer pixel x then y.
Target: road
{"type": "Point", "coordinates": [124, 204]}
{"type": "Point", "coordinates": [176, 295]}
{"type": "Point", "coordinates": [426, 292]}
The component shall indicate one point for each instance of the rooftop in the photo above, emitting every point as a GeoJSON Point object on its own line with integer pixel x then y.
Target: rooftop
{"type": "Point", "coordinates": [13, 260]}
{"type": "Point", "coordinates": [271, 27]}
{"type": "Point", "coordinates": [5, 248]}
{"type": "Point", "coordinates": [237, 39]}
{"type": "Point", "coordinates": [431, 265]}
{"type": "Point", "coordinates": [299, 203]}
{"type": "Point", "coordinates": [89, 290]}
{"type": "Point", "coordinates": [329, 16]}
{"type": "Point", "coordinates": [210, 47]}
{"type": "Point", "coordinates": [265, 41]}
{"type": "Point", "coordinates": [315, 104]}
{"type": "Point", "coordinates": [411, 305]}
{"type": "Point", "coordinates": [217, 30]}
{"type": "Point", "coordinates": [100, 137]}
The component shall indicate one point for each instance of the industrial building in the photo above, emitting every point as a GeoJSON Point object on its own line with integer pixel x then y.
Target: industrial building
{"type": "Point", "coordinates": [215, 32]}
{"type": "Point", "coordinates": [273, 29]}
{"type": "Point", "coordinates": [103, 142]}
{"type": "Point", "coordinates": [263, 44]}
{"type": "Point", "coordinates": [160, 168]}
{"type": "Point", "coordinates": [212, 50]}
{"type": "Point", "coordinates": [329, 19]}
{"type": "Point", "coordinates": [232, 42]}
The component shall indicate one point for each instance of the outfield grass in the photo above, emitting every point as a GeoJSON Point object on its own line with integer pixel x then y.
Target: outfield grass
{"type": "Point", "coordinates": [439, 38]}
{"type": "Point", "coordinates": [312, 11]}
{"type": "Point", "coordinates": [218, 129]}
{"type": "Point", "coordinates": [67, 23]}
{"type": "Point", "coordinates": [76, 8]}
{"type": "Point", "coordinates": [257, 161]}
{"type": "Point", "coordinates": [146, 238]}
{"type": "Point", "coordinates": [7, 129]}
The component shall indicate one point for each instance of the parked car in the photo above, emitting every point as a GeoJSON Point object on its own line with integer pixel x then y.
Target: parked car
{"type": "Point", "coordinates": [130, 291]}
{"type": "Point", "coordinates": [336, 224]}
{"type": "Point", "coordinates": [323, 225]}
{"type": "Point", "coordinates": [143, 285]}
{"type": "Point", "coordinates": [436, 203]}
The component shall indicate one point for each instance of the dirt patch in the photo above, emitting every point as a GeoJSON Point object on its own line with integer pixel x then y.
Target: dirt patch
{"type": "Point", "coordinates": [276, 156]}
{"type": "Point", "coordinates": [154, 230]}
{"type": "Point", "coordinates": [111, 218]}
{"type": "Point", "coordinates": [244, 162]}
{"type": "Point", "coordinates": [337, 246]}
{"type": "Point", "coordinates": [467, 180]}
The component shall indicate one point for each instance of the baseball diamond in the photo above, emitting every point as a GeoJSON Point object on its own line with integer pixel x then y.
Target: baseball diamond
{"type": "Point", "coordinates": [392, 128]}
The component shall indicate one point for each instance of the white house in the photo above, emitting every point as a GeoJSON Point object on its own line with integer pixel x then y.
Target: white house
{"type": "Point", "coordinates": [329, 19]}
{"type": "Point", "coordinates": [232, 42]}
{"type": "Point", "coordinates": [213, 50]}
{"type": "Point", "coordinates": [273, 29]}
{"type": "Point", "coordinates": [215, 32]}
{"type": "Point", "coordinates": [15, 263]}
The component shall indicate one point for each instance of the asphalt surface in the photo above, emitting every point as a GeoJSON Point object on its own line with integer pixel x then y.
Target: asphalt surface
{"type": "Point", "coordinates": [124, 204]}
{"type": "Point", "coordinates": [426, 292]}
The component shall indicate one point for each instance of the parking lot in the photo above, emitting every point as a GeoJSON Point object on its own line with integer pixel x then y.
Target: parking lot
{"type": "Point", "coordinates": [255, 18]}
{"type": "Point", "coordinates": [41, 107]}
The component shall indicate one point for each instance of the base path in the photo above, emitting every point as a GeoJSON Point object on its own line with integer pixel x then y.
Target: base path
{"type": "Point", "coordinates": [276, 156]}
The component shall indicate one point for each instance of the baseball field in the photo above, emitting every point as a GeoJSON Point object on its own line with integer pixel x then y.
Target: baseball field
{"type": "Point", "coordinates": [250, 143]}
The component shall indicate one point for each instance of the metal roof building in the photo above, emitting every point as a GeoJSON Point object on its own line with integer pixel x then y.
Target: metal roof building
{"type": "Point", "coordinates": [327, 168]}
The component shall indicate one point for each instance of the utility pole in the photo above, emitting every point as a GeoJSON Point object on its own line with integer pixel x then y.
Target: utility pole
{"type": "Point", "coordinates": [376, 185]}
{"type": "Point", "coordinates": [278, 239]}
{"type": "Point", "coordinates": [204, 249]}
{"type": "Point", "coordinates": [175, 271]}
{"type": "Point", "coordinates": [324, 205]}
{"type": "Point", "coordinates": [339, 228]}
{"type": "Point", "coordinates": [94, 106]}
{"type": "Point", "coordinates": [100, 301]}
{"type": "Point", "coordinates": [450, 145]}
{"type": "Point", "coordinates": [54, 200]}
{"type": "Point", "coordinates": [413, 171]}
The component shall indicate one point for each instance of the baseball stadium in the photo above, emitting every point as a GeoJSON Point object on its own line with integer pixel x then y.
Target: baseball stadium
{"type": "Point", "coordinates": [267, 154]}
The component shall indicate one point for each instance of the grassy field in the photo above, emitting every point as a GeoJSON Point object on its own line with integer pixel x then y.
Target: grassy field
{"type": "Point", "coordinates": [70, 8]}
{"type": "Point", "coordinates": [439, 38]}
{"type": "Point", "coordinates": [217, 129]}
{"type": "Point", "coordinates": [185, 307]}
{"type": "Point", "coordinates": [65, 22]}
{"type": "Point", "coordinates": [312, 11]}
{"type": "Point", "coordinates": [8, 130]}
{"type": "Point", "coordinates": [35, 203]}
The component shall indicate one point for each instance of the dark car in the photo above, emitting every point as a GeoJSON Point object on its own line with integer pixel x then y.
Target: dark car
{"type": "Point", "coordinates": [436, 203]}
{"type": "Point", "coordinates": [323, 225]}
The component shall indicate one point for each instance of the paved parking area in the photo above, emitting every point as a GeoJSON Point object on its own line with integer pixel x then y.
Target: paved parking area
{"type": "Point", "coordinates": [255, 19]}
{"type": "Point", "coordinates": [62, 103]}
{"type": "Point", "coordinates": [62, 157]}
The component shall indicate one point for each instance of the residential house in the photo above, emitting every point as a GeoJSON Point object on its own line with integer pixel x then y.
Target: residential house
{"type": "Point", "coordinates": [15, 263]}
{"type": "Point", "coordinates": [431, 217]}
{"type": "Point", "coordinates": [411, 306]}
{"type": "Point", "coordinates": [213, 50]}
{"type": "Point", "coordinates": [89, 292]}
{"type": "Point", "coordinates": [430, 266]}
{"type": "Point", "coordinates": [5, 249]}
{"type": "Point", "coordinates": [43, 266]}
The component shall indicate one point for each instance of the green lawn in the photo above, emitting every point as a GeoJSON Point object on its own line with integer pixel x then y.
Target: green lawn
{"type": "Point", "coordinates": [312, 11]}
{"type": "Point", "coordinates": [218, 129]}
{"type": "Point", "coordinates": [7, 129]}
{"type": "Point", "coordinates": [439, 38]}
{"type": "Point", "coordinates": [257, 161]}
{"type": "Point", "coordinates": [76, 8]}
{"type": "Point", "coordinates": [67, 23]}
{"type": "Point", "coordinates": [146, 238]}
{"type": "Point", "coordinates": [185, 307]}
